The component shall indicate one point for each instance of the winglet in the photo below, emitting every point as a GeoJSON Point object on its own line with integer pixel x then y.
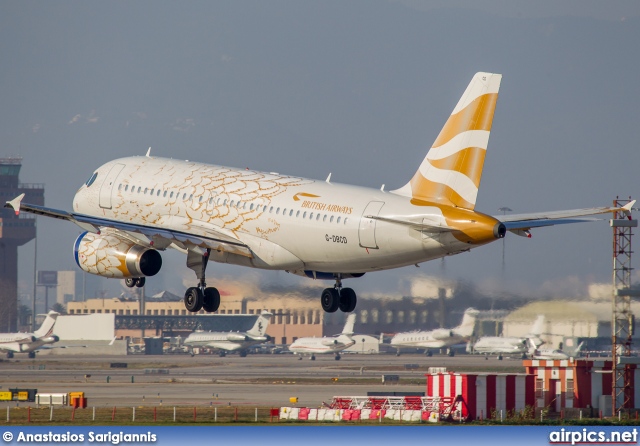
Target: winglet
{"type": "Point", "coordinates": [149, 153]}
{"type": "Point", "coordinates": [15, 203]}
{"type": "Point", "coordinates": [627, 208]}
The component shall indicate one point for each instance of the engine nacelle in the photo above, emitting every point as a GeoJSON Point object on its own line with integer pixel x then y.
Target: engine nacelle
{"type": "Point", "coordinates": [237, 337]}
{"type": "Point", "coordinates": [50, 339]}
{"type": "Point", "coordinates": [108, 255]}
{"type": "Point", "coordinates": [441, 333]}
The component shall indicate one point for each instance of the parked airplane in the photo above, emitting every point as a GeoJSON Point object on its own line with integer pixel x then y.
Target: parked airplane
{"type": "Point", "coordinates": [510, 344]}
{"type": "Point", "coordinates": [549, 353]}
{"type": "Point", "coordinates": [326, 344]}
{"type": "Point", "coordinates": [438, 338]}
{"type": "Point", "coordinates": [30, 342]}
{"type": "Point", "coordinates": [231, 341]}
{"type": "Point", "coordinates": [132, 208]}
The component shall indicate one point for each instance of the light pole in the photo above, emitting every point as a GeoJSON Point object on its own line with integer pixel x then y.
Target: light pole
{"type": "Point", "coordinates": [504, 211]}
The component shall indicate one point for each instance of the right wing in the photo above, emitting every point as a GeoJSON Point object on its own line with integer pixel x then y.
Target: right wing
{"type": "Point", "coordinates": [191, 233]}
{"type": "Point", "coordinates": [521, 223]}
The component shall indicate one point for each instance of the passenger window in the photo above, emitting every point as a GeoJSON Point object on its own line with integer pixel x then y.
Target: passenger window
{"type": "Point", "coordinates": [345, 220]}
{"type": "Point", "coordinates": [324, 218]}
{"type": "Point", "coordinates": [145, 191]}
{"type": "Point", "coordinates": [298, 214]}
{"type": "Point", "coordinates": [271, 209]}
{"type": "Point", "coordinates": [251, 207]}
{"type": "Point", "coordinates": [304, 215]}
{"type": "Point", "coordinates": [119, 186]}
{"type": "Point", "coordinates": [278, 211]}
{"type": "Point", "coordinates": [171, 196]}
{"type": "Point", "coordinates": [184, 196]}
{"type": "Point", "coordinates": [126, 188]}
{"type": "Point", "coordinates": [338, 221]}
{"type": "Point", "coordinates": [290, 212]}
{"type": "Point", "coordinates": [331, 219]}
{"type": "Point", "coordinates": [317, 217]}
{"type": "Point", "coordinates": [311, 216]}
{"type": "Point", "coordinates": [191, 197]}
{"type": "Point", "coordinates": [164, 194]}
{"type": "Point", "coordinates": [231, 203]}
{"type": "Point", "coordinates": [139, 189]}
{"type": "Point", "coordinates": [200, 199]}
{"type": "Point", "coordinates": [152, 191]}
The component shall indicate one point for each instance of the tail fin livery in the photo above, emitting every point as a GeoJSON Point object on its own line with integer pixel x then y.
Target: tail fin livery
{"type": "Point", "coordinates": [450, 173]}
{"type": "Point", "coordinates": [260, 327]}
{"type": "Point", "coordinates": [46, 329]}
{"type": "Point", "coordinates": [348, 326]}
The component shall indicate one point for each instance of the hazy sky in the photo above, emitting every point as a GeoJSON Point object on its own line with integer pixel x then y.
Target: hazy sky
{"type": "Point", "coordinates": [358, 88]}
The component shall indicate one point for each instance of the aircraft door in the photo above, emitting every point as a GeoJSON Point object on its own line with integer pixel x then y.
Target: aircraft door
{"type": "Point", "coordinates": [367, 229]}
{"type": "Point", "coordinates": [106, 189]}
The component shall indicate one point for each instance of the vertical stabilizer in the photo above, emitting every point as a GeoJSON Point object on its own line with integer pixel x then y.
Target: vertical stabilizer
{"type": "Point", "coordinates": [468, 323]}
{"type": "Point", "coordinates": [260, 327]}
{"type": "Point", "coordinates": [450, 173]}
{"type": "Point", "coordinates": [46, 329]}
{"type": "Point", "coordinates": [348, 326]}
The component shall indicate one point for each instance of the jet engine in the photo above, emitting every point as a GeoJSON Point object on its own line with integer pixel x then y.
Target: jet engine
{"type": "Point", "coordinates": [50, 339]}
{"type": "Point", "coordinates": [237, 337]}
{"type": "Point", "coordinates": [441, 333]}
{"type": "Point", "coordinates": [109, 255]}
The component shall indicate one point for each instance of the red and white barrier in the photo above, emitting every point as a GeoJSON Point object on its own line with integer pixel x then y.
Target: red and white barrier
{"type": "Point", "coordinates": [483, 394]}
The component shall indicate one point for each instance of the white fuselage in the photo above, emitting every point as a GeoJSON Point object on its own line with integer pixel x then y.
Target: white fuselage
{"type": "Point", "coordinates": [289, 223]}
{"type": "Point", "coordinates": [496, 344]}
{"type": "Point", "coordinates": [322, 345]}
{"type": "Point", "coordinates": [223, 341]}
{"type": "Point", "coordinates": [427, 339]}
{"type": "Point", "coordinates": [23, 342]}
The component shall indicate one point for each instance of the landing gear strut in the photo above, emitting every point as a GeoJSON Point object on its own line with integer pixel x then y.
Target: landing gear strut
{"type": "Point", "coordinates": [200, 297]}
{"type": "Point", "coordinates": [338, 297]}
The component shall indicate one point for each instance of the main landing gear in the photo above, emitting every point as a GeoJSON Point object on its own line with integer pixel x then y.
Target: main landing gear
{"type": "Point", "coordinates": [131, 282]}
{"type": "Point", "coordinates": [338, 297]}
{"type": "Point", "coordinates": [200, 297]}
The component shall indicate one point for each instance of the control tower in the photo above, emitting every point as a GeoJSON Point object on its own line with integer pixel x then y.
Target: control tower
{"type": "Point", "coordinates": [15, 230]}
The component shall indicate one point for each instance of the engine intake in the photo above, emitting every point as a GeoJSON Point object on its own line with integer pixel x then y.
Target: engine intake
{"type": "Point", "coordinates": [108, 255]}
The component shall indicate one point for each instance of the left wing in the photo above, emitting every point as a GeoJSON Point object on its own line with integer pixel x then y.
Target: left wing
{"type": "Point", "coordinates": [203, 236]}
{"type": "Point", "coordinates": [521, 223]}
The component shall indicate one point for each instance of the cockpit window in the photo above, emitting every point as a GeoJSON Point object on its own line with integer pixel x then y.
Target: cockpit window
{"type": "Point", "coordinates": [92, 179]}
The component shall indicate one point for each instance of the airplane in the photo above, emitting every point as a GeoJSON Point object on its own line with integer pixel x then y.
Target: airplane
{"type": "Point", "coordinates": [132, 208]}
{"type": "Point", "coordinates": [326, 344]}
{"type": "Point", "coordinates": [30, 342]}
{"type": "Point", "coordinates": [438, 338]}
{"type": "Point", "coordinates": [231, 341]}
{"type": "Point", "coordinates": [550, 353]}
{"type": "Point", "coordinates": [510, 344]}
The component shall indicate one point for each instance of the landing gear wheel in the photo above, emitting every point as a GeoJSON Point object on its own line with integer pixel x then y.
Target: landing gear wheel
{"type": "Point", "coordinates": [243, 354]}
{"type": "Point", "coordinates": [330, 300]}
{"type": "Point", "coordinates": [313, 357]}
{"type": "Point", "coordinates": [337, 357]}
{"type": "Point", "coordinates": [130, 282]}
{"type": "Point", "coordinates": [140, 281]}
{"type": "Point", "coordinates": [193, 299]}
{"type": "Point", "coordinates": [429, 353]}
{"type": "Point", "coordinates": [32, 355]}
{"type": "Point", "coordinates": [348, 300]}
{"type": "Point", "coordinates": [9, 355]}
{"type": "Point", "coordinates": [211, 300]}
{"type": "Point", "coordinates": [222, 354]}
